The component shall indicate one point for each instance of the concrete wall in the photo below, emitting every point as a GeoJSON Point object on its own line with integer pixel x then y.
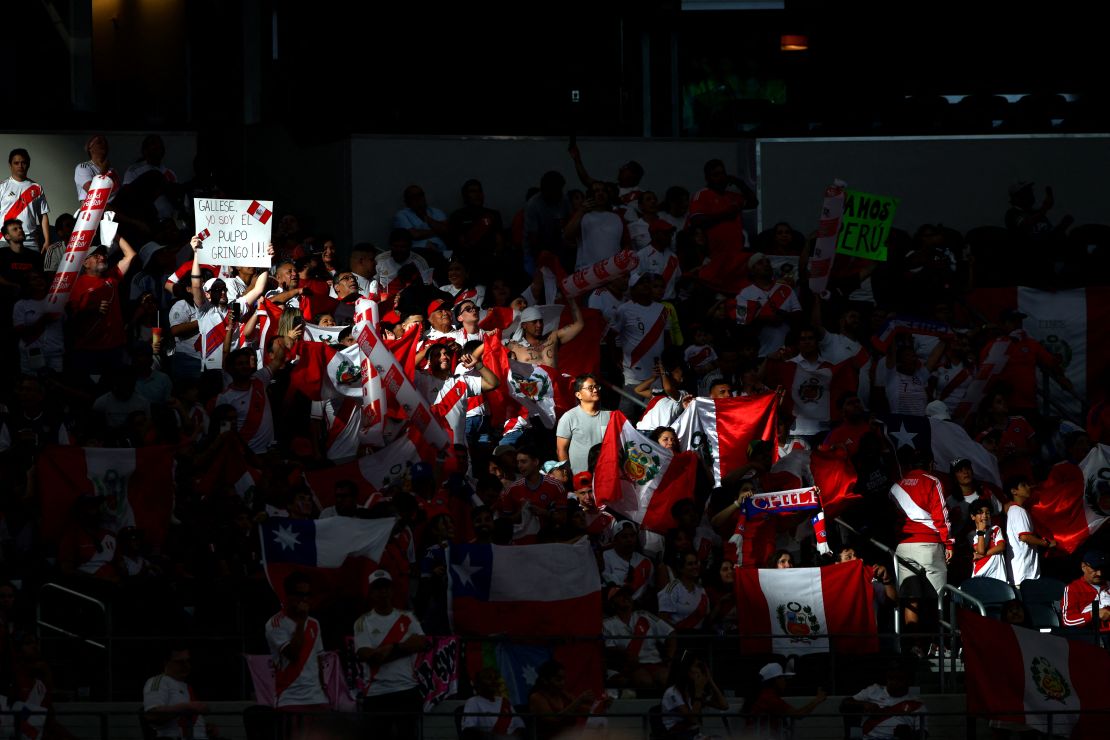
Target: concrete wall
{"type": "Point", "coordinates": [961, 182]}
{"type": "Point", "coordinates": [54, 155]}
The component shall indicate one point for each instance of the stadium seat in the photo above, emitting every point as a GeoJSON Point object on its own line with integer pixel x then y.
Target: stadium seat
{"type": "Point", "coordinates": [1041, 597]}
{"type": "Point", "coordinates": [991, 591]}
{"type": "Point", "coordinates": [1042, 616]}
{"type": "Point", "coordinates": [655, 722]}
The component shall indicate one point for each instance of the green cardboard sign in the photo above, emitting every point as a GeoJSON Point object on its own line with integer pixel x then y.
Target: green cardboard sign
{"type": "Point", "coordinates": [865, 225]}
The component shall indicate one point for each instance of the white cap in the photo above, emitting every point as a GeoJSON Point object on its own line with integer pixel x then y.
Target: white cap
{"type": "Point", "coordinates": [532, 313]}
{"type": "Point", "coordinates": [756, 257]}
{"type": "Point", "coordinates": [209, 283]}
{"type": "Point", "coordinates": [379, 575]}
{"type": "Point", "coordinates": [937, 410]}
{"type": "Point", "coordinates": [771, 671]}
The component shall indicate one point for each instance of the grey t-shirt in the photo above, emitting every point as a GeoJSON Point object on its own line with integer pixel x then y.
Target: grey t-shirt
{"type": "Point", "coordinates": [583, 431]}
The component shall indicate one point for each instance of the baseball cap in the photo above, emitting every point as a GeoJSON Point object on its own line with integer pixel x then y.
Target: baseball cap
{"type": "Point", "coordinates": [960, 462]}
{"type": "Point", "coordinates": [583, 480]}
{"type": "Point", "coordinates": [937, 410]}
{"type": "Point", "coordinates": [659, 226]}
{"type": "Point", "coordinates": [149, 250]}
{"type": "Point", "coordinates": [437, 305]}
{"type": "Point", "coordinates": [532, 313]}
{"type": "Point", "coordinates": [380, 575]}
{"type": "Point", "coordinates": [756, 257]}
{"type": "Point", "coordinates": [210, 282]}
{"type": "Point", "coordinates": [772, 670]}
{"type": "Point", "coordinates": [552, 464]}
{"type": "Point", "coordinates": [1095, 558]}
{"type": "Point", "coordinates": [636, 277]}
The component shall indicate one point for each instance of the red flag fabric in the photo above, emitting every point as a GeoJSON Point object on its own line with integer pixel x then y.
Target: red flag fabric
{"type": "Point", "coordinates": [371, 473]}
{"type": "Point", "coordinates": [835, 475]}
{"type": "Point", "coordinates": [794, 611]}
{"type": "Point", "coordinates": [137, 485]}
{"type": "Point", "coordinates": [640, 479]}
{"type": "Point", "coordinates": [499, 404]}
{"type": "Point", "coordinates": [1074, 500]}
{"type": "Point", "coordinates": [582, 354]}
{"type": "Point", "coordinates": [495, 585]}
{"type": "Point", "coordinates": [1019, 675]}
{"type": "Point", "coordinates": [497, 317]}
{"type": "Point", "coordinates": [721, 429]}
{"type": "Point", "coordinates": [229, 470]}
{"type": "Point", "coordinates": [404, 349]}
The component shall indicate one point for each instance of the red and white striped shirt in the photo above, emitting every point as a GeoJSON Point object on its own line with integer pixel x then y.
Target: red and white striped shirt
{"type": "Point", "coordinates": [921, 498]}
{"type": "Point", "coordinates": [1078, 604]}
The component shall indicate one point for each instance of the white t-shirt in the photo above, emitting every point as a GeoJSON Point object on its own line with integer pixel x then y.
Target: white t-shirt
{"type": "Point", "coordinates": [396, 675]}
{"type": "Point", "coordinates": [885, 730]}
{"type": "Point", "coordinates": [636, 326]}
{"type": "Point", "coordinates": [257, 416]}
{"type": "Point", "coordinates": [604, 301]}
{"type": "Point", "coordinates": [117, 410]}
{"type": "Point", "coordinates": [1024, 562]}
{"type": "Point", "coordinates": [749, 305]}
{"type": "Point", "coordinates": [680, 603]}
{"type": "Point", "coordinates": [944, 376]}
{"type": "Point", "coordinates": [183, 312]}
{"type": "Point", "coordinates": [600, 239]}
{"type": "Point", "coordinates": [641, 624]}
{"type": "Point", "coordinates": [614, 569]}
{"type": "Point", "coordinates": [995, 565]}
{"type": "Point", "coordinates": [388, 268]}
{"type": "Point", "coordinates": [481, 705]}
{"type": "Point", "coordinates": [672, 701]}
{"type": "Point", "coordinates": [906, 394]}
{"type": "Point", "coordinates": [85, 172]}
{"type": "Point", "coordinates": [31, 215]}
{"type": "Point", "coordinates": [407, 219]}
{"type": "Point", "coordinates": [302, 685]}
{"type": "Point", "coordinates": [48, 348]}
{"type": "Point", "coordinates": [163, 691]}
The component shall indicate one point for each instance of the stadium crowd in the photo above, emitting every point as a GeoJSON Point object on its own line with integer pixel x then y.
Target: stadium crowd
{"type": "Point", "coordinates": [159, 349]}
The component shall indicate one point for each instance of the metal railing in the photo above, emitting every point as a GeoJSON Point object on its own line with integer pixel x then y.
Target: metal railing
{"type": "Point", "coordinates": [71, 595]}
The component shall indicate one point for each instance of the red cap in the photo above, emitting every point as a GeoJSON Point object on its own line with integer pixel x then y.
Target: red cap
{"type": "Point", "coordinates": [436, 305]}
{"type": "Point", "coordinates": [583, 480]}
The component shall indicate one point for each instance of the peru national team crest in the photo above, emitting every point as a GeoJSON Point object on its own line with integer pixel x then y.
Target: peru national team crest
{"type": "Point", "coordinates": [640, 463]}
{"type": "Point", "coordinates": [535, 387]}
{"type": "Point", "coordinates": [1048, 681]}
{"type": "Point", "coordinates": [811, 391]}
{"type": "Point", "coordinates": [347, 373]}
{"type": "Point", "coordinates": [1059, 348]}
{"type": "Point", "coordinates": [798, 621]}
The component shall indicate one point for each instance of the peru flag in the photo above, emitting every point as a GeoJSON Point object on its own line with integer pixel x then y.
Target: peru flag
{"type": "Point", "coordinates": [639, 479]}
{"type": "Point", "coordinates": [1074, 500]}
{"type": "Point", "coordinates": [261, 210]}
{"type": "Point", "coordinates": [1069, 324]}
{"type": "Point", "coordinates": [1021, 675]}
{"type": "Point", "coordinates": [372, 473]}
{"type": "Point", "coordinates": [721, 429]}
{"type": "Point", "coordinates": [493, 588]}
{"type": "Point", "coordinates": [137, 486]}
{"type": "Point", "coordinates": [338, 553]}
{"type": "Point", "coordinates": [540, 389]}
{"type": "Point", "coordinates": [805, 608]}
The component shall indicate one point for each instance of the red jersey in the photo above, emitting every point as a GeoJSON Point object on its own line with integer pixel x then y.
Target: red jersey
{"type": "Point", "coordinates": [1078, 605]}
{"type": "Point", "coordinates": [1020, 372]}
{"type": "Point", "coordinates": [727, 259]}
{"type": "Point", "coordinates": [91, 329]}
{"type": "Point", "coordinates": [921, 498]}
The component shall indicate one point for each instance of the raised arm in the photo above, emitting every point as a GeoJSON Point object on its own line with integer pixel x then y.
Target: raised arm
{"type": "Point", "coordinates": [128, 255]}
{"type": "Point", "coordinates": [195, 285]}
{"type": "Point", "coordinates": [571, 330]}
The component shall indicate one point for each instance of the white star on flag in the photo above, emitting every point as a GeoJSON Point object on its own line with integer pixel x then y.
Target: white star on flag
{"type": "Point", "coordinates": [287, 538]}
{"type": "Point", "coordinates": [465, 571]}
{"type": "Point", "coordinates": [904, 437]}
{"type": "Point", "coordinates": [529, 674]}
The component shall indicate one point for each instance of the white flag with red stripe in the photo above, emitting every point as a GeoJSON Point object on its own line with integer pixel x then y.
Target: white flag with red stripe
{"type": "Point", "coordinates": [80, 240]}
{"type": "Point", "coordinates": [640, 479]}
{"type": "Point", "coordinates": [1021, 675]}
{"type": "Point", "coordinates": [796, 611]}
{"type": "Point", "coordinates": [533, 387]}
{"type": "Point", "coordinates": [721, 429]}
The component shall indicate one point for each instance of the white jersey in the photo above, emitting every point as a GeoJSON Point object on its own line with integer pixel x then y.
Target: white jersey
{"type": "Point", "coordinates": [28, 208]}
{"type": "Point", "coordinates": [604, 301]}
{"type": "Point", "coordinates": [881, 727]}
{"type": "Point", "coordinates": [297, 681]}
{"type": "Point", "coordinates": [640, 331]}
{"type": "Point", "coordinates": [640, 624]}
{"type": "Point", "coordinates": [371, 631]}
{"type": "Point", "coordinates": [663, 263]}
{"type": "Point", "coordinates": [952, 383]}
{"type": "Point", "coordinates": [184, 312]}
{"type": "Point", "coordinates": [487, 726]}
{"type": "Point", "coordinates": [906, 393]}
{"type": "Point", "coordinates": [214, 323]}
{"type": "Point", "coordinates": [453, 394]}
{"type": "Point", "coordinates": [688, 609]}
{"type": "Point", "coordinates": [252, 410]}
{"type": "Point", "coordinates": [600, 239]}
{"type": "Point", "coordinates": [753, 302]}
{"type": "Point", "coordinates": [163, 691]}
{"type": "Point", "coordinates": [1024, 562]}
{"type": "Point", "coordinates": [995, 565]}
{"type": "Point", "coordinates": [85, 172]}
{"type": "Point", "coordinates": [615, 569]}
{"type": "Point", "coordinates": [388, 268]}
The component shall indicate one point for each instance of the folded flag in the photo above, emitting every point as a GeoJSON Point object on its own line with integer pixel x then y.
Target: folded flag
{"type": "Point", "coordinates": [1074, 500]}
{"type": "Point", "coordinates": [721, 429]}
{"type": "Point", "coordinates": [795, 611]}
{"type": "Point", "coordinates": [945, 441]}
{"type": "Point", "coordinates": [317, 333]}
{"type": "Point", "coordinates": [494, 589]}
{"type": "Point", "coordinates": [137, 486]}
{"type": "Point", "coordinates": [1020, 675]}
{"type": "Point", "coordinates": [322, 371]}
{"type": "Point", "coordinates": [338, 553]}
{"type": "Point", "coordinates": [638, 478]}
{"type": "Point", "coordinates": [757, 528]}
